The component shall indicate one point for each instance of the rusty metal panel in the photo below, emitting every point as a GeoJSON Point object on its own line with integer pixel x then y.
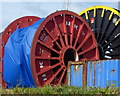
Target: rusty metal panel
{"type": "Point", "coordinates": [77, 73]}
{"type": "Point", "coordinates": [100, 73]}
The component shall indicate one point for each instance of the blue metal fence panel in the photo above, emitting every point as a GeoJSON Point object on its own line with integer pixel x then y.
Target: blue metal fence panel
{"type": "Point", "coordinates": [90, 76]}
{"type": "Point", "coordinates": [118, 73]}
{"type": "Point", "coordinates": [76, 75]}
{"type": "Point", "coordinates": [106, 73]}
{"type": "Point", "coordinates": [99, 73]}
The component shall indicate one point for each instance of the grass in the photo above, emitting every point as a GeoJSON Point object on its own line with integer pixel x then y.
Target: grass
{"type": "Point", "coordinates": [61, 90]}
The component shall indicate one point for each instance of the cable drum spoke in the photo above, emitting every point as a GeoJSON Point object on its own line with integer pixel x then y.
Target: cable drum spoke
{"type": "Point", "coordinates": [71, 31]}
{"type": "Point", "coordinates": [61, 78]}
{"type": "Point", "coordinates": [112, 54]}
{"type": "Point", "coordinates": [42, 57]}
{"type": "Point", "coordinates": [86, 38]}
{"type": "Point", "coordinates": [114, 43]}
{"type": "Point", "coordinates": [48, 68]}
{"type": "Point", "coordinates": [54, 76]}
{"type": "Point", "coordinates": [52, 49]}
{"type": "Point", "coordinates": [115, 46]}
{"type": "Point", "coordinates": [59, 31]}
{"type": "Point", "coordinates": [115, 36]}
{"type": "Point", "coordinates": [79, 32]}
{"type": "Point", "coordinates": [85, 51]}
{"type": "Point", "coordinates": [53, 38]}
{"type": "Point", "coordinates": [64, 29]}
{"type": "Point", "coordinates": [110, 35]}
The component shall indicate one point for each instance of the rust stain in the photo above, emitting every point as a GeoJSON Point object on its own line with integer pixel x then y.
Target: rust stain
{"type": "Point", "coordinates": [84, 74]}
{"type": "Point", "coordinates": [95, 73]}
{"type": "Point", "coordinates": [91, 72]}
{"type": "Point", "coordinates": [112, 71]}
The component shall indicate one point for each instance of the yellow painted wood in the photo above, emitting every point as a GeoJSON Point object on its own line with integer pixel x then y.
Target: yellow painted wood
{"type": "Point", "coordinates": [94, 12]}
{"type": "Point", "coordinates": [103, 11]}
{"type": "Point", "coordinates": [111, 15]}
{"type": "Point", "coordinates": [86, 15]}
{"type": "Point", "coordinates": [117, 22]}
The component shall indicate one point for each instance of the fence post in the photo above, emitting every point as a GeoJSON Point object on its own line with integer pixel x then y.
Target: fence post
{"type": "Point", "coordinates": [84, 74]}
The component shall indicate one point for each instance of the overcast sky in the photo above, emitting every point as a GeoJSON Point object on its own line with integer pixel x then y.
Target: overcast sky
{"type": "Point", "coordinates": [9, 11]}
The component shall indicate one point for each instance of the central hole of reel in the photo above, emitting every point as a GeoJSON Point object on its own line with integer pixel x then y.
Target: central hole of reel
{"type": "Point", "coordinates": [70, 55]}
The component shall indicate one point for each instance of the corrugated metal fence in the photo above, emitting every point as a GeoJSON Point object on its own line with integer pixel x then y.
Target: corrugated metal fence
{"type": "Point", "coordinates": [94, 73]}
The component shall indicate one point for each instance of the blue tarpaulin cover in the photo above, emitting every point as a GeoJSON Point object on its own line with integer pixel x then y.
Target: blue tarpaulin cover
{"type": "Point", "coordinates": [17, 70]}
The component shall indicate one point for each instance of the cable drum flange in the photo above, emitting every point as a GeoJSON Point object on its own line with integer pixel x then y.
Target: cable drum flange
{"type": "Point", "coordinates": [4, 36]}
{"type": "Point", "coordinates": [105, 23]}
{"type": "Point", "coordinates": [63, 36]}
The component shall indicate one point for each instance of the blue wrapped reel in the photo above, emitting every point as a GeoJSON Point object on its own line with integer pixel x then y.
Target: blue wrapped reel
{"type": "Point", "coordinates": [17, 70]}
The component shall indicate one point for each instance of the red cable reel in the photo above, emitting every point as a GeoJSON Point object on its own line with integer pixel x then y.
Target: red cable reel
{"type": "Point", "coordinates": [19, 23]}
{"type": "Point", "coordinates": [63, 36]}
